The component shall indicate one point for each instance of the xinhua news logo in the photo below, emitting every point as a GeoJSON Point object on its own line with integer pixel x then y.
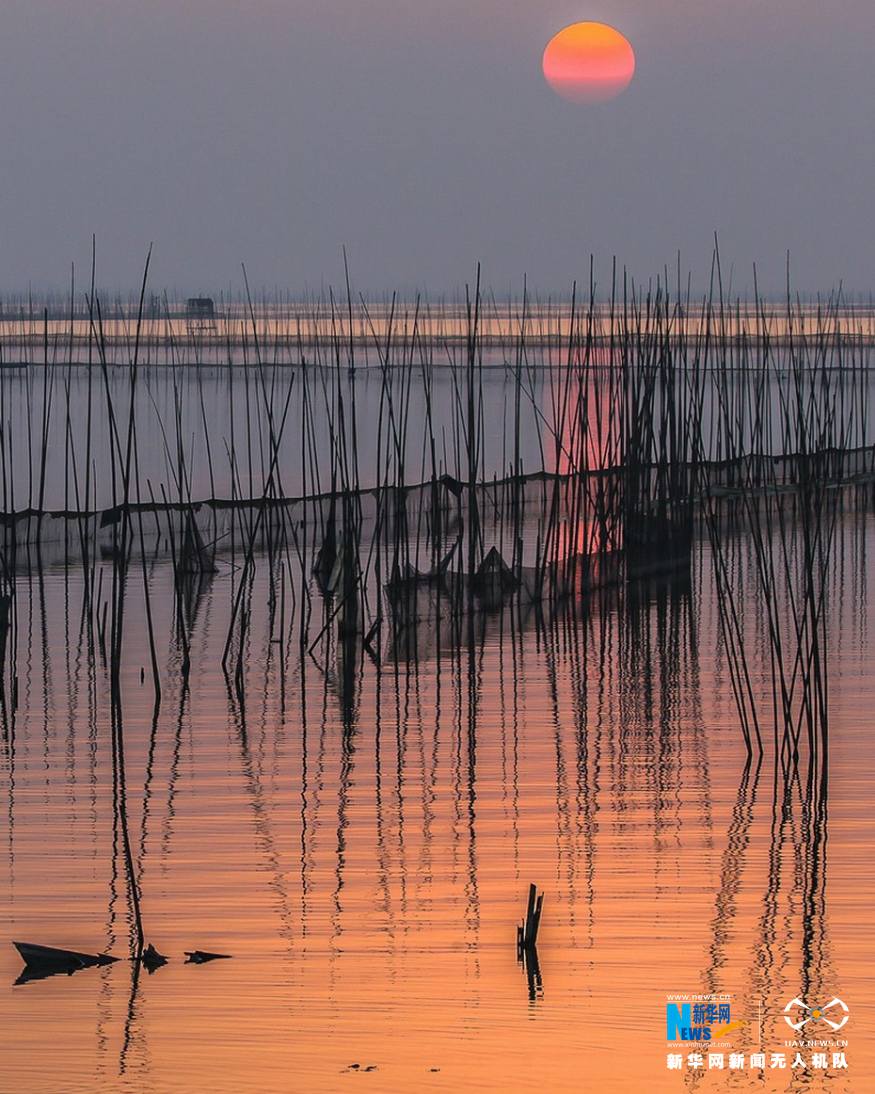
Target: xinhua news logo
{"type": "Point", "coordinates": [700, 1019]}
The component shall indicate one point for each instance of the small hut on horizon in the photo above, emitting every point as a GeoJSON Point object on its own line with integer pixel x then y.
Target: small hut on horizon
{"type": "Point", "coordinates": [200, 314]}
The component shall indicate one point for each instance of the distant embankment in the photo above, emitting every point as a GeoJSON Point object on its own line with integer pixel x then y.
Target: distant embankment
{"type": "Point", "coordinates": [401, 334]}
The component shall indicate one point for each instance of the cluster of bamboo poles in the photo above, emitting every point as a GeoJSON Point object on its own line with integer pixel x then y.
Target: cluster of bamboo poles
{"type": "Point", "coordinates": [647, 428]}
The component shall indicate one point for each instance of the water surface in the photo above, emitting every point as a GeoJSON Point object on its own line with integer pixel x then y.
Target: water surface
{"type": "Point", "coordinates": [361, 837]}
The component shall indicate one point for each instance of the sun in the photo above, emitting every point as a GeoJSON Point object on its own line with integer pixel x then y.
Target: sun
{"type": "Point", "coordinates": [588, 63]}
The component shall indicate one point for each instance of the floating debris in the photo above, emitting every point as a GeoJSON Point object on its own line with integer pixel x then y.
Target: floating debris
{"type": "Point", "coordinates": [42, 961]}
{"type": "Point", "coordinates": [152, 959]}
{"type": "Point", "coordinates": [201, 957]}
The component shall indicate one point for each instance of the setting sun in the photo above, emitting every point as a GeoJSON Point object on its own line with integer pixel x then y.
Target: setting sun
{"type": "Point", "coordinates": [588, 63]}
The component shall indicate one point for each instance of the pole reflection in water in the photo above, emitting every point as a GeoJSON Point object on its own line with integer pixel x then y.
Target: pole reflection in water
{"type": "Point", "coordinates": [356, 826]}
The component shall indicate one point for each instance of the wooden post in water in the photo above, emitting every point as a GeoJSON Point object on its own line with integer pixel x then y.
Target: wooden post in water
{"type": "Point", "coordinates": [527, 932]}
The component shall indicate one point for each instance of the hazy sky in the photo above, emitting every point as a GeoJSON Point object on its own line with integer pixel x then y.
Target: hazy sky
{"type": "Point", "coordinates": [420, 134]}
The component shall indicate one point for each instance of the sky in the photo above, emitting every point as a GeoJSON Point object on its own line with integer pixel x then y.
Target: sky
{"type": "Point", "coordinates": [421, 136]}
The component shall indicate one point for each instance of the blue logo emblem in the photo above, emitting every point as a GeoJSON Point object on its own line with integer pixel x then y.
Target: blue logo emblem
{"type": "Point", "coordinates": [701, 1021]}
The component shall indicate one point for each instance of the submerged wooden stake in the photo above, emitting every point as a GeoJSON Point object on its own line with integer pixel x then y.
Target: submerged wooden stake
{"type": "Point", "coordinates": [527, 931]}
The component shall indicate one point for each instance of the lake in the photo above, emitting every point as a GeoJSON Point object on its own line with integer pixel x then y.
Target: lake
{"type": "Point", "coordinates": [336, 739]}
{"type": "Point", "coordinates": [362, 844]}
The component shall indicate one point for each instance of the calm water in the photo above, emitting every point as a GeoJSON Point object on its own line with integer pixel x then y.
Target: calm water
{"type": "Point", "coordinates": [190, 421]}
{"type": "Point", "coordinates": [361, 839]}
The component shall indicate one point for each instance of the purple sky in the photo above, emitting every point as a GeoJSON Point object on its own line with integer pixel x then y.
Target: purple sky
{"type": "Point", "coordinates": [420, 134]}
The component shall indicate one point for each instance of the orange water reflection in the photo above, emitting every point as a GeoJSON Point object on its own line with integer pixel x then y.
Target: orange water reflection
{"type": "Point", "coordinates": [363, 849]}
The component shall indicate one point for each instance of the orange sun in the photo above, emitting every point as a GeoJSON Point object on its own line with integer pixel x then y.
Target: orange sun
{"type": "Point", "coordinates": [588, 63]}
